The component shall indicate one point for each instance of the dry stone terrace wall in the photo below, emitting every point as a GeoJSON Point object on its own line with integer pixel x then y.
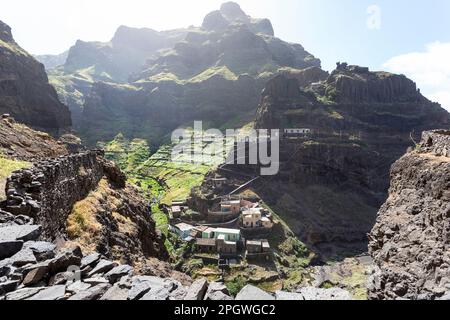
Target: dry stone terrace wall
{"type": "Point", "coordinates": [48, 191]}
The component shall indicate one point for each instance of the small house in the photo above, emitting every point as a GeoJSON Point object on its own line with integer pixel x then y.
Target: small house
{"type": "Point", "coordinates": [296, 132]}
{"type": "Point", "coordinates": [257, 246]}
{"type": "Point", "coordinates": [206, 245]}
{"type": "Point", "coordinates": [253, 246]}
{"type": "Point", "coordinates": [251, 218]}
{"type": "Point", "coordinates": [176, 211]}
{"type": "Point", "coordinates": [228, 234]}
{"type": "Point", "coordinates": [224, 246]}
{"type": "Point", "coordinates": [233, 206]}
{"type": "Point", "coordinates": [208, 233]}
{"type": "Point", "coordinates": [183, 230]}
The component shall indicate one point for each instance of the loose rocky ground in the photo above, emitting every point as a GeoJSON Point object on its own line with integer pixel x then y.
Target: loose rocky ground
{"type": "Point", "coordinates": [35, 270]}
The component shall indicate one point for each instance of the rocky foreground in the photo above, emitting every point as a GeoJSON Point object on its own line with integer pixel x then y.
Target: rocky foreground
{"type": "Point", "coordinates": [36, 270]}
{"type": "Point", "coordinates": [410, 242]}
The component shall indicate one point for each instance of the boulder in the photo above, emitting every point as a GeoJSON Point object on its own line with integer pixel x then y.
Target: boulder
{"type": "Point", "coordinates": [118, 272]}
{"type": "Point", "coordinates": [50, 293]}
{"type": "Point", "coordinates": [116, 293]}
{"type": "Point", "coordinates": [77, 287]}
{"type": "Point", "coordinates": [9, 248]}
{"type": "Point", "coordinates": [253, 293]}
{"type": "Point", "coordinates": [35, 275]}
{"type": "Point", "coordinates": [93, 293]}
{"type": "Point", "coordinates": [139, 289]}
{"type": "Point", "coordinates": [217, 291]}
{"type": "Point", "coordinates": [311, 293]}
{"type": "Point", "coordinates": [41, 250]}
{"type": "Point", "coordinates": [102, 267]}
{"type": "Point", "coordinates": [22, 258]}
{"type": "Point", "coordinates": [62, 278]}
{"type": "Point", "coordinates": [90, 260]}
{"type": "Point", "coordinates": [17, 233]}
{"type": "Point", "coordinates": [8, 286]}
{"type": "Point", "coordinates": [66, 259]}
{"type": "Point", "coordinates": [143, 284]}
{"type": "Point", "coordinates": [178, 294]}
{"type": "Point", "coordinates": [157, 293]}
{"type": "Point", "coordinates": [290, 296]}
{"type": "Point", "coordinates": [5, 269]}
{"type": "Point", "coordinates": [22, 294]}
{"type": "Point", "coordinates": [197, 290]}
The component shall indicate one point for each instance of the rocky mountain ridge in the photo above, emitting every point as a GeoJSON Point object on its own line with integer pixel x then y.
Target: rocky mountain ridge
{"type": "Point", "coordinates": [167, 79]}
{"type": "Point", "coordinates": [360, 122]}
{"type": "Point", "coordinates": [410, 240]}
{"type": "Point", "coordinates": [25, 92]}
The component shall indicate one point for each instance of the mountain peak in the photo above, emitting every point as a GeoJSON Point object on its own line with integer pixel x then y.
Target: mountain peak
{"type": "Point", "coordinates": [232, 11]}
{"type": "Point", "coordinates": [5, 32]}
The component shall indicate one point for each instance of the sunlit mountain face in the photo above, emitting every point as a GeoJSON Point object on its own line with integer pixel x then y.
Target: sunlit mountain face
{"type": "Point", "coordinates": [221, 160]}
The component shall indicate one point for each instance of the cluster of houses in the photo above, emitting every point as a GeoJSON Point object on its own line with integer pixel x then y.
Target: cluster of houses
{"type": "Point", "coordinates": [222, 241]}
{"type": "Point", "coordinates": [228, 241]}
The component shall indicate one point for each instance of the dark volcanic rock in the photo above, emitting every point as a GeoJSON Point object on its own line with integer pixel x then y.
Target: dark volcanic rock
{"type": "Point", "coordinates": [410, 241]}
{"type": "Point", "coordinates": [9, 248]}
{"type": "Point", "coordinates": [357, 130]}
{"type": "Point", "coordinates": [93, 293]}
{"type": "Point", "coordinates": [50, 293]}
{"type": "Point", "coordinates": [42, 250]}
{"type": "Point", "coordinates": [65, 259]}
{"type": "Point", "coordinates": [103, 266]}
{"type": "Point", "coordinates": [24, 89]}
{"type": "Point", "coordinates": [118, 272]}
{"type": "Point", "coordinates": [20, 233]}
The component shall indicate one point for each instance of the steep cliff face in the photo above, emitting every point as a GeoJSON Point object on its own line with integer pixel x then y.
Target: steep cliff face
{"type": "Point", "coordinates": [410, 242]}
{"type": "Point", "coordinates": [356, 135]}
{"type": "Point", "coordinates": [213, 73]}
{"type": "Point", "coordinates": [354, 84]}
{"type": "Point", "coordinates": [24, 89]}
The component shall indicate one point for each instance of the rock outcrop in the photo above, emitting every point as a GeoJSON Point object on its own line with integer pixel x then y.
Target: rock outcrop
{"type": "Point", "coordinates": [21, 142]}
{"type": "Point", "coordinates": [25, 92]}
{"type": "Point", "coordinates": [410, 242]}
{"type": "Point", "coordinates": [356, 132]}
{"type": "Point", "coordinates": [354, 84]}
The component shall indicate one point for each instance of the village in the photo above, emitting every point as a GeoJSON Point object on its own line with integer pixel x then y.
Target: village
{"type": "Point", "coordinates": [217, 221]}
{"type": "Point", "coordinates": [230, 227]}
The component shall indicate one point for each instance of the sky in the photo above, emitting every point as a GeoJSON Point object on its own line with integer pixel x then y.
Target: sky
{"type": "Point", "coordinates": [411, 37]}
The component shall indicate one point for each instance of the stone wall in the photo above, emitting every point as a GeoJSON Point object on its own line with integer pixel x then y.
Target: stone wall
{"type": "Point", "coordinates": [48, 190]}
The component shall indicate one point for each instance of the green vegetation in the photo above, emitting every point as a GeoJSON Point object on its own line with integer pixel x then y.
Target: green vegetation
{"type": "Point", "coordinates": [223, 71]}
{"type": "Point", "coordinates": [236, 285]}
{"type": "Point", "coordinates": [8, 166]}
{"type": "Point", "coordinates": [13, 48]}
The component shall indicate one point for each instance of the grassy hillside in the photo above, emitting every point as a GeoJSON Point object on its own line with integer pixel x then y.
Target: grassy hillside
{"type": "Point", "coordinates": [7, 167]}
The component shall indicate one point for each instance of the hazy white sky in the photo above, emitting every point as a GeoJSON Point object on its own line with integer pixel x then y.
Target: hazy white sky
{"type": "Point", "coordinates": [407, 32]}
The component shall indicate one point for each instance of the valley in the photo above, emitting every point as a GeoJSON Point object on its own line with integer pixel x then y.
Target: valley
{"type": "Point", "coordinates": [92, 177]}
